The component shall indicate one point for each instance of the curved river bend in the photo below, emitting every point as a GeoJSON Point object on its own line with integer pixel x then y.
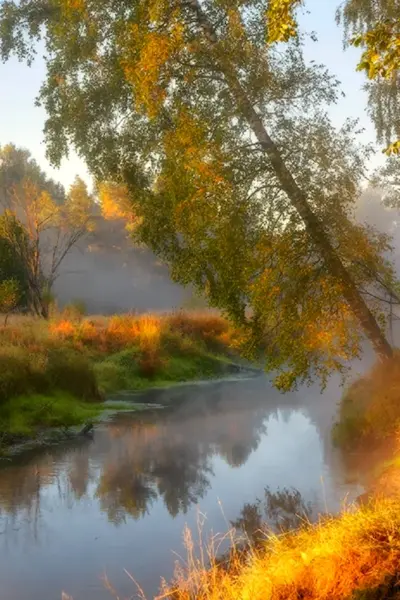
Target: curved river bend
{"type": "Point", "coordinates": [120, 500]}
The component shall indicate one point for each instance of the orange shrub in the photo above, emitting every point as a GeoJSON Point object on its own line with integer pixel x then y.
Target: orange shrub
{"type": "Point", "coordinates": [87, 333]}
{"type": "Point", "coordinates": [147, 329]}
{"type": "Point", "coordinates": [208, 326]}
{"type": "Point", "coordinates": [63, 329]}
{"type": "Point", "coordinates": [119, 332]}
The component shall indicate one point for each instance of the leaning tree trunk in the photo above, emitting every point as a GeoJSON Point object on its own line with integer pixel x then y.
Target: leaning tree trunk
{"type": "Point", "coordinates": [296, 196]}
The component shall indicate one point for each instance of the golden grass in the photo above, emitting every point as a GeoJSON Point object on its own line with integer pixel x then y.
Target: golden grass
{"type": "Point", "coordinates": [111, 334]}
{"type": "Point", "coordinates": [337, 559]}
{"type": "Point", "coordinates": [152, 338]}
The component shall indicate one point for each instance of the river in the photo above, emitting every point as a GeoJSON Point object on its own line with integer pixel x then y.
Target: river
{"type": "Point", "coordinates": [118, 501]}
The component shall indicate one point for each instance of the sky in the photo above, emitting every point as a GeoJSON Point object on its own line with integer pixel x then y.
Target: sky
{"type": "Point", "coordinates": [21, 122]}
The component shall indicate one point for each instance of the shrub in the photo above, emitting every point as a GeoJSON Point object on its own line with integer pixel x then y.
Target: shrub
{"type": "Point", "coordinates": [15, 373]}
{"type": "Point", "coordinates": [150, 364]}
{"type": "Point", "coordinates": [147, 330]}
{"type": "Point", "coordinates": [370, 408]}
{"type": "Point", "coordinates": [209, 327]}
{"type": "Point", "coordinates": [174, 342]}
{"type": "Point", "coordinates": [110, 376]}
{"type": "Point", "coordinates": [63, 329]}
{"type": "Point", "coordinates": [75, 310]}
{"type": "Point", "coordinates": [69, 371]}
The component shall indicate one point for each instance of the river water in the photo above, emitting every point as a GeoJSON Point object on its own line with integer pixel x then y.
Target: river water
{"type": "Point", "coordinates": [119, 500]}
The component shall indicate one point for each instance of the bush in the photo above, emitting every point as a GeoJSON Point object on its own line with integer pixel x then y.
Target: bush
{"type": "Point", "coordinates": [69, 371]}
{"type": "Point", "coordinates": [203, 325]}
{"type": "Point", "coordinates": [15, 373]}
{"type": "Point", "coordinates": [24, 372]}
{"type": "Point", "coordinates": [110, 376]}
{"type": "Point", "coordinates": [174, 342]}
{"type": "Point", "coordinates": [74, 311]}
{"type": "Point", "coordinates": [150, 364]}
{"type": "Point", "coordinates": [370, 409]}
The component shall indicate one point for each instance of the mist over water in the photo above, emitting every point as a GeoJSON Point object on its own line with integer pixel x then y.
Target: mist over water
{"type": "Point", "coordinates": [121, 500]}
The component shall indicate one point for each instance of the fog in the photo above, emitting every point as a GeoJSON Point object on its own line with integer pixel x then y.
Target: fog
{"type": "Point", "coordinates": [110, 275]}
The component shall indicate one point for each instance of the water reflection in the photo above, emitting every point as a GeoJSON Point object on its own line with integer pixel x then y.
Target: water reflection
{"type": "Point", "coordinates": [280, 511]}
{"type": "Point", "coordinates": [169, 459]}
{"type": "Point", "coordinates": [72, 511]}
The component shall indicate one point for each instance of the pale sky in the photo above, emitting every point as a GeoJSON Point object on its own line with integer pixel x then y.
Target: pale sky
{"type": "Point", "coordinates": [22, 123]}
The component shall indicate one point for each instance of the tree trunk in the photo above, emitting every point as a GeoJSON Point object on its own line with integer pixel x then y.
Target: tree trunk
{"type": "Point", "coordinates": [296, 196]}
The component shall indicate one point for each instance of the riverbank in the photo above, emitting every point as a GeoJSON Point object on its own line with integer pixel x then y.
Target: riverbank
{"type": "Point", "coordinates": [58, 373]}
{"type": "Point", "coordinates": [355, 555]}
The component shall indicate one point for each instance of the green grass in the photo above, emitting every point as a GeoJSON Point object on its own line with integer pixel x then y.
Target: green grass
{"type": "Point", "coordinates": [26, 414]}
{"type": "Point", "coordinates": [122, 370]}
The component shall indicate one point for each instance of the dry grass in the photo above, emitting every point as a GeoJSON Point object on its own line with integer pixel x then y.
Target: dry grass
{"type": "Point", "coordinates": [111, 334]}
{"type": "Point", "coordinates": [148, 332]}
{"type": "Point", "coordinates": [354, 556]}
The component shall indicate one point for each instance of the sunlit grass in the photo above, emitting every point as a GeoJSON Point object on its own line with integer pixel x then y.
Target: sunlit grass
{"type": "Point", "coordinates": [356, 555]}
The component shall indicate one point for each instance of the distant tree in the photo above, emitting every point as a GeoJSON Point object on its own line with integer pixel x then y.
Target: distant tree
{"type": "Point", "coordinates": [11, 268]}
{"type": "Point", "coordinates": [17, 164]}
{"type": "Point", "coordinates": [40, 230]}
{"type": "Point", "coordinates": [238, 178]}
{"type": "Point", "coordinates": [9, 296]}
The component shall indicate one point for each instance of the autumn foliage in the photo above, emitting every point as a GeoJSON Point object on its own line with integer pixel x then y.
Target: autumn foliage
{"type": "Point", "coordinates": [145, 331]}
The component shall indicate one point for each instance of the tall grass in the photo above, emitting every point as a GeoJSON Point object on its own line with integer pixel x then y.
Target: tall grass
{"type": "Point", "coordinates": [355, 556]}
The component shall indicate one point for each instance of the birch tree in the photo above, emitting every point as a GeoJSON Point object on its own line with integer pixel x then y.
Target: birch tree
{"type": "Point", "coordinates": [223, 140]}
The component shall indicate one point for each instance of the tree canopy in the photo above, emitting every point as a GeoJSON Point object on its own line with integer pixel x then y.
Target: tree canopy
{"type": "Point", "coordinates": [234, 172]}
{"type": "Point", "coordinates": [374, 26]}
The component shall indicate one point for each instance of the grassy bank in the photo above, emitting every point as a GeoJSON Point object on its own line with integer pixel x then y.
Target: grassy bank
{"type": "Point", "coordinates": [355, 556]}
{"type": "Point", "coordinates": [57, 372]}
{"type": "Point", "coordinates": [369, 411]}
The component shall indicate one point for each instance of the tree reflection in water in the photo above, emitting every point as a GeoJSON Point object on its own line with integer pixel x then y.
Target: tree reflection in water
{"type": "Point", "coordinates": [279, 511]}
{"type": "Point", "coordinates": [130, 464]}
